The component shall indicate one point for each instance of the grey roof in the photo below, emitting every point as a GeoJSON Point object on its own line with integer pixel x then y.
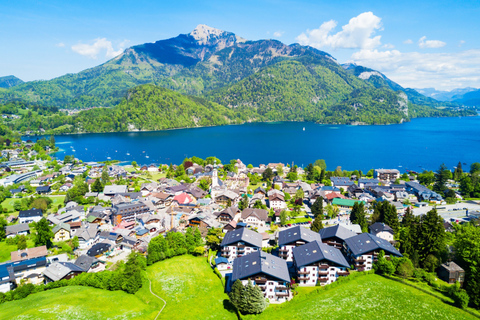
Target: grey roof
{"type": "Point", "coordinates": [243, 234]}
{"type": "Point", "coordinates": [379, 227]}
{"type": "Point", "coordinates": [261, 214]}
{"type": "Point", "coordinates": [366, 242]}
{"type": "Point", "coordinates": [114, 189]}
{"type": "Point", "coordinates": [16, 228]}
{"type": "Point", "coordinates": [30, 213]}
{"type": "Point", "coordinates": [297, 233]}
{"type": "Point", "coordinates": [260, 263]}
{"type": "Point", "coordinates": [58, 270]}
{"type": "Point", "coordinates": [85, 262]}
{"type": "Point", "coordinates": [59, 226]}
{"type": "Point", "coordinates": [98, 249]}
{"type": "Point", "coordinates": [336, 231]}
{"type": "Point", "coordinates": [316, 251]}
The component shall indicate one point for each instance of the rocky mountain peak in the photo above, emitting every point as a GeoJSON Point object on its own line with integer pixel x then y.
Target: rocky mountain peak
{"type": "Point", "coordinates": [202, 33]}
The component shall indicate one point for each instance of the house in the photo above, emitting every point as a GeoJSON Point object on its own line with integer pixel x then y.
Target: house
{"type": "Point", "coordinates": [382, 231]}
{"type": "Point", "coordinates": [294, 237]}
{"type": "Point", "coordinates": [224, 196]}
{"type": "Point", "coordinates": [232, 225]}
{"type": "Point", "coordinates": [227, 214]}
{"type": "Point", "coordinates": [277, 201]}
{"type": "Point", "coordinates": [31, 215]}
{"type": "Point", "coordinates": [183, 199]}
{"type": "Point", "coordinates": [17, 230]}
{"type": "Point", "coordinates": [112, 190]}
{"type": "Point", "coordinates": [254, 217]}
{"type": "Point", "coordinates": [362, 250]}
{"type": "Point", "coordinates": [386, 174]}
{"type": "Point", "coordinates": [363, 182]}
{"type": "Point", "coordinates": [61, 270]}
{"type": "Point", "coordinates": [30, 253]}
{"type": "Point", "coordinates": [87, 235]}
{"type": "Point", "coordinates": [268, 272]}
{"type": "Point", "coordinates": [240, 242]}
{"type": "Point", "coordinates": [335, 236]}
{"type": "Point", "coordinates": [451, 272]}
{"type": "Point", "coordinates": [61, 232]}
{"type": "Point", "coordinates": [87, 263]}
{"type": "Point", "coordinates": [127, 212]}
{"type": "Point", "coordinates": [222, 264]}
{"type": "Point", "coordinates": [67, 217]}
{"type": "Point", "coordinates": [7, 278]}
{"type": "Point", "coordinates": [341, 182]}
{"type": "Point", "coordinates": [319, 263]}
{"type": "Point", "coordinates": [67, 186]}
{"type": "Point", "coordinates": [43, 190]}
{"type": "Point", "coordinates": [97, 250]}
{"type": "Point", "coordinates": [422, 192]}
{"type": "Point", "coordinates": [345, 204]}
{"type": "Point", "coordinates": [28, 270]}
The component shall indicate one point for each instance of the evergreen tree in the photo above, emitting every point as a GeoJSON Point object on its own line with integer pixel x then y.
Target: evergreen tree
{"type": "Point", "coordinates": [317, 223]}
{"type": "Point", "coordinates": [97, 186]}
{"type": "Point", "coordinates": [197, 235]}
{"type": "Point", "coordinates": [3, 224]}
{"type": "Point", "coordinates": [358, 216]}
{"type": "Point", "coordinates": [255, 301]}
{"type": "Point", "coordinates": [317, 207]}
{"type": "Point", "coordinates": [22, 242]}
{"type": "Point", "coordinates": [441, 177]}
{"type": "Point", "coordinates": [243, 204]}
{"type": "Point", "coordinates": [268, 174]}
{"type": "Point", "coordinates": [391, 216]}
{"type": "Point", "coordinates": [283, 217]}
{"type": "Point", "coordinates": [458, 172]}
{"type": "Point", "coordinates": [431, 236]}
{"type": "Point", "coordinates": [44, 234]}
{"type": "Point", "coordinates": [52, 141]}
{"type": "Point", "coordinates": [105, 176]}
{"type": "Point", "coordinates": [190, 240]}
{"type": "Point", "coordinates": [237, 295]}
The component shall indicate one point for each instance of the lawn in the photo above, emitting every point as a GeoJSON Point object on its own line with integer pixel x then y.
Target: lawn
{"type": "Point", "coordinates": [5, 249]}
{"type": "Point", "coordinates": [370, 297]}
{"type": "Point", "coordinates": [190, 287]}
{"type": "Point", "coordinates": [57, 199]}
{"type": "Point", "coordinates": [81, 303]}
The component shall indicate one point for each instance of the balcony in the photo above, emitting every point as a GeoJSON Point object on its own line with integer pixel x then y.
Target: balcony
{"type": "Point", "coordinates": [283, 255]}
{"type": "Point", "coordinates": [283, 250]}
{"type": "Point", "coordinates": [241, 246]}
{"type": "Point", "coordinates": [323, 267]}
{"type": "Point", "coordinates": [281, 288]}
{"type": "Point", "coordinates": [225, 255]}
{"type": "Point", "coordinates": [303, 272]}
{"type": "Point", "coordinates": [323, 273]}
{"type": "Point", "coordinates": [360, 260]}
{"type": "Point", "coordinates": [305, 279]}
{"type": "Point", "coordinates": [225, 249]}
{"type": "Point", "coordinates": [281, 294]}
{"type": "Point", "coordinates": [260, 280]}
{"type": "Point", "coordinates": [323, 279]}
{"type": "Point", "coordinates": [262, 288]}
{"type": "Point", "coordinates": [343, 273]}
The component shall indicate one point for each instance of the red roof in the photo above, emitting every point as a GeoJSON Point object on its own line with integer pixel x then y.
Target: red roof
{"type": "Point", "coordinates": [334, 195]}
{"type": "Point", "coordinates": [183, 198]}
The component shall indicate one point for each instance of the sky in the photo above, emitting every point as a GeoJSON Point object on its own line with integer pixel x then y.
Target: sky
{"type": "Point", "coordinates": [418, 44]}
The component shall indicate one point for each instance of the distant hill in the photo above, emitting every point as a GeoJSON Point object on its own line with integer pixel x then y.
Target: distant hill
{"type": "Point", "coordinates": [452, 95]}
{"type": "Point", "coordinates": [262, 79]}
{"type": "Point", "coordinates": [471, 98]}
{"type": "Point", "coordinates": [9, 82]}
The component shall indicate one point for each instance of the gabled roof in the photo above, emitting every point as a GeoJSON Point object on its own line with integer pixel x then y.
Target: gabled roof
{"type": "Point", "coordinates": [345, 202]}
{"type": "Point", "coordinates": [261, 214]}
{"type": "Point", "coordinates": [85, 262]}
{"type": "Point", "coordinates": [379, 227]}
{"type": "Point", "coordinates": [260, 263]}
{"type": "Point", "coordinates": [60, 226]}
{"type": "Point", "coordinates": [366, 242]}
{"type": "Point", "coordinates": [16, 228]}
{"type": "Point", "coordinates": [113, 189]}
{"type": "Point", "coordinates": [243, 234]}
{"type": "Point", "coordinates": [58, 270]}
{"type": "Point", "coordinates": [316, 251]}
{"type": "Point", "coordinates": [297, 233]}
{"type": "Point", "coordinates": [98, 249]}
{"type": "Point", "coordinates": [29, 253]}
{"type": "Point", "coordinates": [336, 231]}
{"type": "Point", "coordinates": [30, 213]}
{"type": "Point", "coordinates": [231, 211]}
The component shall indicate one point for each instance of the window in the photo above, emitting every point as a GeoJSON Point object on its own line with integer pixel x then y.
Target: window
{"type": "Point", "coordinates": [271, 290]}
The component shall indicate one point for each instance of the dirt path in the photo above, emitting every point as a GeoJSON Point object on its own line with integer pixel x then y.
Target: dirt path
{"type": "Point", "coordinates": [165, 302]}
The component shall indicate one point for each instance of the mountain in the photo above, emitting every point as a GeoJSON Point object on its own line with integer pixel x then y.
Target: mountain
{"type": "Point", "coordinates": [379, 80]}
{"type": "Point", "coordinates": [452, 95]}
{"type": "Point", "coordinates": [257, 80]}
{"type": "Point", "coordinates": [471, 98]}
{"type": "Point", "coordinates": [9, 82]}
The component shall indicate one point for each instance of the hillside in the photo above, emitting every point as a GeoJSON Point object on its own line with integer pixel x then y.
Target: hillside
{"type": "Point", "coordinates": [471, 98]}
{"type": "Point", "coordinates": [9, 82]}
{"type": "Point", "coordinates": [445, 95]}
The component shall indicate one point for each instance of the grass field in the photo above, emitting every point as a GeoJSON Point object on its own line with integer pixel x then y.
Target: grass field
{"type": "Point", "coordinates": [80, 303]}
{"type": "Point", "coordinates": [57, 199]}
{"type": "Point", "coordinates": [5, 249]}
{"type": "Point", "coordinates": [190, 287]}
{"type": "Point", "coordinates": [370, 297]}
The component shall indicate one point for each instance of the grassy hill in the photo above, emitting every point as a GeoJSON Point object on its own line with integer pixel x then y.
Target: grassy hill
{"type": "Point", "coordinates": [81, 303]}
{"type": "Point", "coordinates": [193, 291]}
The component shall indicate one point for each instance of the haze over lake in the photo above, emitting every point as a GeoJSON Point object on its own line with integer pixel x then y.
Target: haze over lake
{"type": "Point", "coordinates": [421, 143]}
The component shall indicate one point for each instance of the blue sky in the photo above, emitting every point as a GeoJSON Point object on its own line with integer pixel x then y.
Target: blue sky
{"type": "Point", "coordinates": [416, 43]}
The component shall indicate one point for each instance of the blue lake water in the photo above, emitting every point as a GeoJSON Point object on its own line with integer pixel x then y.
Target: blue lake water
{"type": "Point", "coordinates": [421, 143]}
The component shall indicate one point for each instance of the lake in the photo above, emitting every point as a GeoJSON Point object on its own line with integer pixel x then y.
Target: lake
{"type": "Point", "coordinates": [420, 144]}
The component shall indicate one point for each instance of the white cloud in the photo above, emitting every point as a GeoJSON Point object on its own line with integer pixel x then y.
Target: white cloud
{"type": "Point", "coordinates": [423, 43]}
{"type": "Point", "coordinates": [358, 33]}
{"type": "Point", "coordinates": [461, 43]}
{"type": "Point", "coordinates": [388, 46]}
{"type": "Point", "coordinates": [60, 45]}
{"type": "Point", "coordinates": [443, 71]}
{"type": "Point", "coordinates": [99, 45]}
{"type": "Point", "coordinates": [278, 34]}
{"type": "Point", "coordinates": [408, 41]}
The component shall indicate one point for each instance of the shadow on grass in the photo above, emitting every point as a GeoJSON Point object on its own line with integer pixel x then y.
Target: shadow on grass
{"type": "Point", "coordinates": [228, 305]}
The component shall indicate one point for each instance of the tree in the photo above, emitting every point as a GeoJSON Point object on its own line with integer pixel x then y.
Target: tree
{"type": "Point", "coordinates": [3, 224]}
{"type": "Point", "coordinates": [105, 176]}
{"type": "Point", "coordinates": [204, 184]}
{"type": "Point", "coordinates": [237, 295]}
{"type": "Point", "coordinates": [317, 207]}
{"type": "Point", "coordinates": [383, 266]}
{"type": "Point", "coordinates": [317, 223]}
{"type": "Point", "coordinates": [214, 237]}
{"type": "Point", "coordinates": [268, 174]}
{"type": "Point", "coordinates": [134, 164]}
{"type": "Point", "coordinates": [457, 174]}
{"type": "Point", "coordinates": [474, 167]}
{"type": "Point", "coordinates": [279, 170]}
{"type": "Point", "coordinates": [197, 235]}
{"type": "Point", "coordinates": [320, 163]}
{"type": "Point", "coordinates": [243, 202]}
{"type": "Point", "coordinates": [52, 141]}
{"type": "Point", "coordinates": [254, 300]}
{"type": "Point", "coordinates": [22, 242]}
{"type": "Point", "coordinates": [44, 234]}
{"type": "Point", "coordinates": [358, 216]}
{"type": "Point", "coordinates": [467, 251]}
{"type": "Point", "coordinates": [431, 237]}
{"type": "Point", "coordinates": [39, 203]}
{"type": "Point", "coordinates": [441, 177]}
{"type": "Point", "coordinates": [283, 217]}
{"type": "Point", "coordinates": [75, 242]}
{"type": "Point", "coordinates": [97, 186]}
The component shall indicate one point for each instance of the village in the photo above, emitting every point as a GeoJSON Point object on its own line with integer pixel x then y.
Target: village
{"type": "Point", "coordinates": [265, 216]}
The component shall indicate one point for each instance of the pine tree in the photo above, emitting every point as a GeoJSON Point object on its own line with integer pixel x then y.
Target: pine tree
{"type": "Point", "coordinates": [254, 300]}
{"type": "Point", "coordinates": [431, 236]}
{"type": "Point", "coordinates": [105, 176]}
{"type": "Point", "coordinates": [358, 216]}
{"type": "Point", "coordinates": [317, 224]}
{"type": "Point", "coordinates": [237, 295]}
{"type": "Point", "coordinates": [391, 216]}
{"type": "Point", "coordinates": [97, 186]}
{"type": "Point", "coordinates": [458, 172]}
{"type": "Point", "coordinates": [317, 207]}
{"type": "Point", "coordinates": [197, 235]}
{"type": "Point", "coordinates": [44, 234]}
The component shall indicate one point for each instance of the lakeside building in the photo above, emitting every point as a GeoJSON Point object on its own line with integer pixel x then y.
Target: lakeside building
{"type": "Point", "coordinates": [240, 242]}
{"type": "Point", "coordinates": [294, 237]}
